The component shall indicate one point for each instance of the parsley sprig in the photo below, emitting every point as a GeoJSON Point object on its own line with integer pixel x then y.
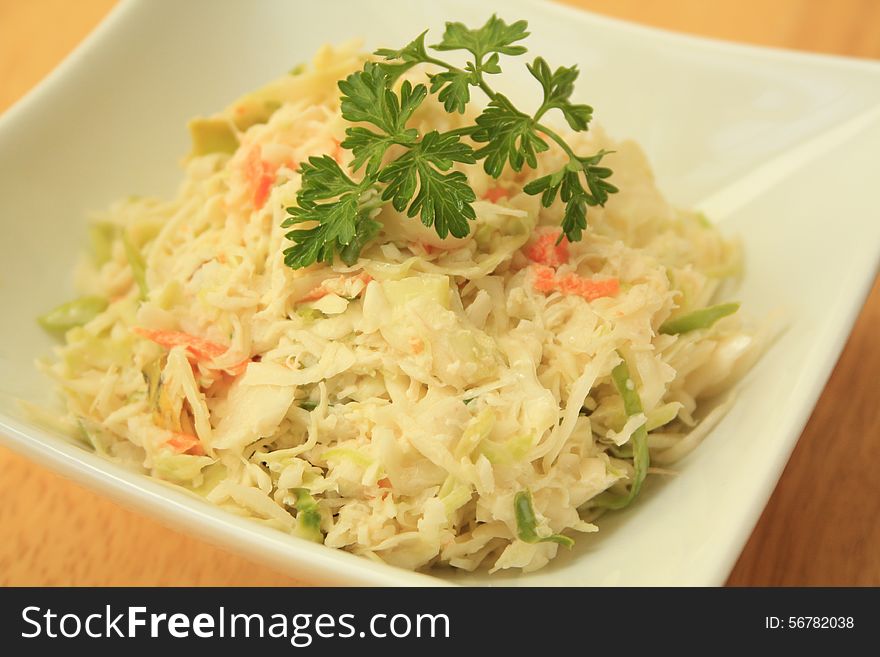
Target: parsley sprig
{"type": "Point", "coordinates": [395, 163]}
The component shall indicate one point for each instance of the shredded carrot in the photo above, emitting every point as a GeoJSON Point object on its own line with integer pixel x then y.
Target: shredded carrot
{"type": "Point", "coordinates": [385, 484]}
{"type": "Point", "coordinates": [198, 348]}
{"type": "Point", "coordinates": [260, 174]}
{"type": "Point", "coordinates": [495, 194]}
{"type": "Point", "coordinates": [185, 443]}
{"type": "Point", "coordinates": [337, 151]}
{"type": "Point", "coordinates": [428, 249]}
{"type": "Point", "coordinates": [546, 281]}
{"type": "Point", "coordinates": [239, 368]}
{"type": "Point", "coordinates": [316, 293]}
{"type": "Point", "coordinates": [587, 288]}
{"type": "Point", "coordinates": [549, 250]}
{"type": "Point", "coordinates": [261, 193]}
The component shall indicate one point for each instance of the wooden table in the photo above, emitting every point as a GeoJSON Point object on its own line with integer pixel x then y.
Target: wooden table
{"type": "Point", "coordinates": [820, 528]}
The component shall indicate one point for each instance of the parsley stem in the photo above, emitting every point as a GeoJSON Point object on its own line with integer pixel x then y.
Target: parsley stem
{"type": "Point", "coordinates": [481, 81]}
{"type": "Point", "coordinates": [464, 130]}
{"type": "Point", "coordinates": [541, 111]}
{"type": "Point", "coordinates": [485, 87]}
{"type": "Point", "coordinates": [559, 140]}
{"type": "Point", "coordinates": [478, 75]}
{"type": "Point", "coordinates": [492, 94]}
{"type": "Point", "coordinates": [442, 64]}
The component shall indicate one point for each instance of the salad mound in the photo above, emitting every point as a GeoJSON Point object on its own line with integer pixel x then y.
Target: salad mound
{"type": "Point", "coordinates": [472, 400]}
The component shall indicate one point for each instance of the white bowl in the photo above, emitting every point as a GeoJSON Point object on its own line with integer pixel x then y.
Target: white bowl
{"type": "Point", "coordinates": [780, 146]}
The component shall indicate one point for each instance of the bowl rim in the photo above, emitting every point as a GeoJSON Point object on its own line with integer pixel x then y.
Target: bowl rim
{"type": "Point", "coordinates": [174, 507]}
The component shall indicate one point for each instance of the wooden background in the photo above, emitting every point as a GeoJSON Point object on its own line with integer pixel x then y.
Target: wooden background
{"type": "Point", "coordinates": [820, 528]}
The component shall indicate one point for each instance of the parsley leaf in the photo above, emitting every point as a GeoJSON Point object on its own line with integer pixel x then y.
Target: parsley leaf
{"type": "Point", "coordinates": [368, 147]}
{"type": "Point", "coordinates": [323, 178]}
{"type": "Point", "coordinates": [411, 54]}
{"type": "Point", "coordinates": [547, 186]}
{"type": "Point", "coordinates": [366, 97]}
{"type": "Point", "coordinates": [495, 36]}
{"type": "Point", "coordinates": [336, 224]}
{"type": "Point", "coordinates": [574, 220]}
{"type": "Point", "coordinates": [454, 88]}
{"type": "Point", "coordinates": [443, 200]}
{"type": "Point", "coordinates": [509, 135]}
{"type": "Point", "coordinates": [366, 230]}
{"type": "Point", "coordinates": [558, 86]}
{"type": "Point", "coordinates": [567, 180]}
{"type": "Point", "coordinates": [597, 176]}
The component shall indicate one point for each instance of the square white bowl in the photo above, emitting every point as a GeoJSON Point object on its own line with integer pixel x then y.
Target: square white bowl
{"type": "Point", "coordinates": [779, 146]}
